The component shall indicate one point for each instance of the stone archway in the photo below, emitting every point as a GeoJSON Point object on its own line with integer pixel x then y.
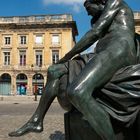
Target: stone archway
{"type": "Point", "coordinates": [5, 84]}
{"type": "Point", "coordinates": [21, 83]}
{"type": "Point", "coordinates": [38, 83]}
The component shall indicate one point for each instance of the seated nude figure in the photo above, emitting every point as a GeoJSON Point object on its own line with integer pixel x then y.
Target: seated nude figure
{"type": "Point", "coordinates": [113, 26]}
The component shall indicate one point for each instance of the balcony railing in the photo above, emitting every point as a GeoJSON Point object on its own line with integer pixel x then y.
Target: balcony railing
{"type": "Point", "coordinates": [26, 67]}
{"type": "Point", "coordinates": [137, 15]}
{"type": "Point", "coordinates": [36, 19]}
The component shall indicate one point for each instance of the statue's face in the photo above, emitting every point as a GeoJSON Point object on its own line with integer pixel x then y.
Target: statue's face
{"type": "Point", "coordinates": [91, 8]}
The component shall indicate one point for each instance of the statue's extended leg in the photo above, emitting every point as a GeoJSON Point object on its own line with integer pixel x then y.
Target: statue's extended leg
{"type": "Point", "coordinates": [35, 124]}
{"type": "Point", "coordinates": [97, 72]}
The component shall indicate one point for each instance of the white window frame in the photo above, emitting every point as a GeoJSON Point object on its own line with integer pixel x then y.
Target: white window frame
{"type": "Point", "coordinates": [55, 39]}
{"type": "Point", "coordinates": [39, 62]}
{"type": "Point", "coordinates": [23, 62]}
{"type": "Point", "coordinates": [23, 41]}
{"type": "Point", "coordinates": [5, 41]}
{"type": "Point", "coordinates": [39, 39]}
{"type": "Point", "coordinates": [8, 57]}
{"type": "Point", "coordinates": [56, 58]}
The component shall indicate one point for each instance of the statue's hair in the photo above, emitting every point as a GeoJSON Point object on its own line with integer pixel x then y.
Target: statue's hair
{"type": "Point", "coordinates": [97, 1]}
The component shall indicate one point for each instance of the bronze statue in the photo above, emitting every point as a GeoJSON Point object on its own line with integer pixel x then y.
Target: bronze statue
{"type": "Point", "coordinates": [76, 82]}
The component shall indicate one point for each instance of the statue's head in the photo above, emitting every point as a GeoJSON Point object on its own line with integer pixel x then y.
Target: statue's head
{"type": "Point", "coordinates": [97, 1]}
{"type": "Point", "coordinates": [92, 7]}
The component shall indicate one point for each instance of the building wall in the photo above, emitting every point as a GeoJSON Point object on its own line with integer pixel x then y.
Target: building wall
{"type": "Point", "coordinates": [137, 21]}
{"type": "Point", "coordinates": [61, 27]}
{"type": "Point", "coordinates": [47, 26]}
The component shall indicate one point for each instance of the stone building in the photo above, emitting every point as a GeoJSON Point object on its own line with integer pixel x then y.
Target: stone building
{"type": "Point", "coordinates": [28, 45]}
{"type": "Point", "coordinates": [137, 21]}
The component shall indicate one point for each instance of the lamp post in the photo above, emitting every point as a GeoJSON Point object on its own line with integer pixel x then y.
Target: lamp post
{"type": "Point", "coordinates": [1, 90]}
{"type": "Point", "coordinates": [35, 86]}
{"type": "Point", "coordinates": [35, 89]}
{"type": "Point", "coordinates": [37, 75]}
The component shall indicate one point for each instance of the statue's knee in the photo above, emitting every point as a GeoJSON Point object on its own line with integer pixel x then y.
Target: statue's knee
{"type": "Point", "coordinates": [56, 71]}
{"type": "Point", "coordinates": [51, 71]}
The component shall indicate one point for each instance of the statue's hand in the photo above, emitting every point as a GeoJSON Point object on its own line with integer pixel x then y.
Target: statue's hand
{"type": "Point", "coordinates": [64, 59]}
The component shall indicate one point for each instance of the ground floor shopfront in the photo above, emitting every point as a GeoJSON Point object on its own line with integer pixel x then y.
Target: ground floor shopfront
{"type": "Point", "coordinates": [22, 82]}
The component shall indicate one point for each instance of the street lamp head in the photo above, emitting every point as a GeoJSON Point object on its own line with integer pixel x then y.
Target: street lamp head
{"type": "Point", "coordinates": [32, 65]}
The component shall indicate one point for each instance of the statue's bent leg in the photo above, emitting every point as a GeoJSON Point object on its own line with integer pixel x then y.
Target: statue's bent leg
{"type": "Point", "coordinates": [35, 124]}
{"type": "Point", "coordinates": [97, 72]}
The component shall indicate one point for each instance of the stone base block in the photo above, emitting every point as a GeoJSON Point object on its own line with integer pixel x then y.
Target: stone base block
{"type": "Point", "coordinates": [76, 128]}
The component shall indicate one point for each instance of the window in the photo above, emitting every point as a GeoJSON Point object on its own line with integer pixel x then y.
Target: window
{"type": "Point", "coordinates": [7, 40]}
{"type": "Point", "coordinates": [8, 19]}
{"type": "Point", "coordinates": [39, 18]}
{"type": "Point", "coordinates": [23, 40]}
{"type": "Point", "coordinates": [6, 58]}
{"type": "Point", "coordinates": [39, 39]}
{"type": "Point", "coordinates": [23, 19]}
{"type": "Point", "coordinates": [22, 58]}
{"type": "Point", "coordinates": [55, 39]}
{"type": "Point", "coordinates": [38, 58]}
{"type": "Point", "coordinates": [55, 56]}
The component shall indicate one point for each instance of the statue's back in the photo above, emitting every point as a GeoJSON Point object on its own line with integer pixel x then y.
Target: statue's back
{"type": "Point", "coordinates": [137, 43]}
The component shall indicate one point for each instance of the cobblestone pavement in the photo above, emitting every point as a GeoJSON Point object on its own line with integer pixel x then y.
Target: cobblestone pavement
{"type": "Point", "coordinates": [53, 127]}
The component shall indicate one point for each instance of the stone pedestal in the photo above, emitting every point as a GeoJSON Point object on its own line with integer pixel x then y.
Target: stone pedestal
{"type": "Point", "coordinates": [76, 128]}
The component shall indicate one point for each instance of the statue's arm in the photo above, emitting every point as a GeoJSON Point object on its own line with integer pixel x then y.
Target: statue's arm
{"type": "Point", "coordinates": [110, 10]}
{"type": "Point", "coordinates": [85, 42]}
{"type": "Point", "coordinates": [107, 16]}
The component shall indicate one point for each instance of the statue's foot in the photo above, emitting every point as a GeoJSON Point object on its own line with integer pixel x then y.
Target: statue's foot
{"type": "Point", "coordinates": [27, 128]}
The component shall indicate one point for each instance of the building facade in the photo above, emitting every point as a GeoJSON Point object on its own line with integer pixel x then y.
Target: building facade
{"type": "Point", "coordinates": [28, 46]}
{"type": "Point", "coordinates": [137, 21]}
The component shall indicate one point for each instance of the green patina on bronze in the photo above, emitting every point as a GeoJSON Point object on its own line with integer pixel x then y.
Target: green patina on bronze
{"type": "Point", "coordinates": [101, 85]}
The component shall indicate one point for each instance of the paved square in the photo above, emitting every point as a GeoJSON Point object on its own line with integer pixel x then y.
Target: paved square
{"type": "Point", "coordinates": [13, 115]}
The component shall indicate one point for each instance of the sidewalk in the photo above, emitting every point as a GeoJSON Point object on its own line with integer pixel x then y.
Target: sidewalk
{"type": "Point", "coordinates": [53, 128]}
{"type": "Point", "coordinates": [20, 99]}
{"type": "Point", "coordinates": [53, 122]}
